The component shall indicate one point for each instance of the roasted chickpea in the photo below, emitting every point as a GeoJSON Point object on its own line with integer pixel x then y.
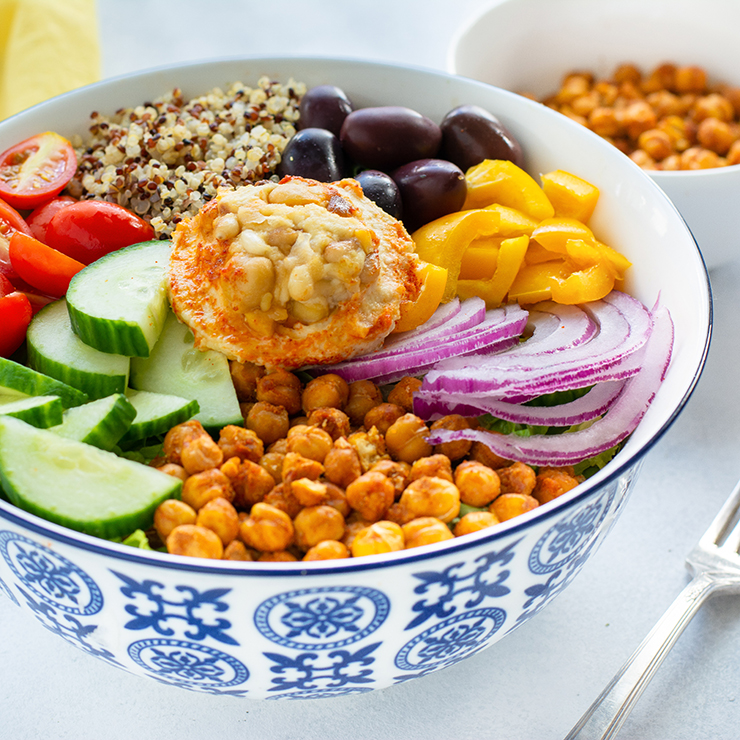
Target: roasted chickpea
{"type": "Point", "coordinates": [484, 454]}
{"type": "Point", "coordinates": [336, 497]}
{"type": "Point", "coordinates": [478, 484]}
{"type": "Point", "coordinates": [245, 375]}
{"type": "Point", "coordinates": [427, 530]}
{"type": "Point", "coordinates": [195, 542]}
{"type": "Point", "coordinates": [369, 446]}
{"type": "Point", "coordinates": [353, 524]}
{"type": "Point", "coordinates": [236, 550]}
{"type": "Point", "coordinates": [383, 416]}
{"type": "Point", "coordinates": [474, 521]}
{"type": "Point", "coordinates": [220, 516]}
{"type": "Point", "coordinates": [509, 505]}
{"type": "Point", "coordinates": [311, 442]}
{"type": "Point", "coordinates": [280, 388]}
{"type": "Point", "coordinates": [280, 446]}
{"type": "Point", "coordinates": [333, 421]}
{"type": "Point", "coordinates": [690, 79]}
{"type": "Point", "coordinates": [573, 86]}
{"type": "Point", "coordinates": [327, 550]}
{"type": "Point", "coordinates": [553, 482]}
{"type": "Point", "coordinates": [249, 480]}
{"type": "Point", "coordinates": [603, 121]}
{"type": "Point", "coordinates": [698, 158]}
{"type": "Point", "coordinates": [403, 393]}
{"type": "Point", "coordinates": [272, 462]}
{"type": "Point", "coordinates": [655, 143]}
{"type": "Point", "coordinates": [267, 529]}
{"type": "Point", "coordinates": [200, 488]}
{"type": "Point", "coordinates": [176, 471]}
{"type": "Point", "coordinates": [406, 439]}
{"type": "Point", "coordinates": [309, 492]}
{"type": "Point", "coordinates": [453, 450]}
{"type": "Point", "coordinates": [170, 514]}
{"type": "Point", "coordinates": [282, 498]}
{"type": "Point", "coordinates": [716, 135]}
{"type": "Point", "coordinates": [296, 466]}
{"type": "Point", "coordinates": [240, 442]}
{"type": "Point", "coordinates": [342, 463]}
{"type": "Point", "coordinates": [377, 539]}
{"type": "Point", "coordinates": [326, 390]}
{"type": "Point", "coordinates": [201, 453]}
{"type": "Point", "coordinates": [282, 556]}
{"type": "Point", "coordinates": [178, 436]}
{"type": "Point", "coordinates": [269, 422]}
{"type": "Point", "coordinates": [397, 473]}
{"type": "Point", "coordinates": [517, 478]}
{"type": "Point", "coordinates": [363, 396]}
{"type": "Point", "coordinates": [434, 466]}
{"type": "Point", "coordinates": [435, 497]}
{"type": "Point", "coordinates": [316, 523]}
{"type": "Point", "coordinates": [733, 156]}
{"type": "Point", "coordinates": [370, 495]}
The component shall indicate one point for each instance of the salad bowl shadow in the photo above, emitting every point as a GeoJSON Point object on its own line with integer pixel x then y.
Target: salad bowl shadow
{"type": "Point", "coordinates": [304, 630]}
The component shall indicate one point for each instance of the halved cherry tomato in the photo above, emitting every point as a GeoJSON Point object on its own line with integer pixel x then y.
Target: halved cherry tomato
{"type": "Point", "coordinates": [10, 222]}
{"type": "Point", "coordinates": [42, 267]}
{"type": "Point", "coordinates": [15, 316]}
{"type": "Point", "coordinates": [36, 169]}
{"type": "Point", "coordinates": [38, 220]}
{"type": "Point", "coordinates": [89, 229]}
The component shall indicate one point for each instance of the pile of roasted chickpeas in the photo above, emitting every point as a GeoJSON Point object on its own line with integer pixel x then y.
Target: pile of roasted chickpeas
{"type": "Point", "coordinates": [672, 118]}
{"type": "Point", "coordinates": [331, 470]}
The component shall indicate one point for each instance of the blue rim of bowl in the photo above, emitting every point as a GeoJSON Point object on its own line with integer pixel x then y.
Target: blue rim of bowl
{"type": "Point", "coordinates": [277, 569]}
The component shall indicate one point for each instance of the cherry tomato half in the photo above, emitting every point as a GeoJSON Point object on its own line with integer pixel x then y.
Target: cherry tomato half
{"type": "Point", "coordinates": [89, 229]}
{"type": "Point", "coordinates": [10, 222]}
{"type": "Point", "coordinates": [36, 169]}
{"type": "Point", "coordinates": [38, 220]}
{"type": "Point", "coordinates": [42, 267]}
{"type": "Point", "coordinates": [15, 316]}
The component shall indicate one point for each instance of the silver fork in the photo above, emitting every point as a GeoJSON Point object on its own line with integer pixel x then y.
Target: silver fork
{"type": "Point", "coordinates": [715, 566]}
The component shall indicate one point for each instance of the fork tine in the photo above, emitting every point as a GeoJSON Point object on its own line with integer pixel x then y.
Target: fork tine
{"type": "Point", "coordinates": [718, 528]}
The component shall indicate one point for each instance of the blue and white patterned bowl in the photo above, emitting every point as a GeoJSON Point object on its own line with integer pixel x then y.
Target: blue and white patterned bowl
{"type": "Point", "coordinates": [307, 630]}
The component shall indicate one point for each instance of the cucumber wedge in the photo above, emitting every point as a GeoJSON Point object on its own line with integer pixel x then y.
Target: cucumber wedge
{"type": "Point", "coordinates": [156, 413]}
{"type": "Point", "coordinates": [118, 304]}
{"type": "Point", "coordinates": [54, 349]}
{"type": "Point", "coordinates": [100, 423]}
{"type": "Point", "coordinates": [176, 367]}
{"type": "Point", "coordinates": [77, 485]}
{"type": "Point", "coordinates": [17, 379]}
{"type": "Point", "coordinates": [39, 411]}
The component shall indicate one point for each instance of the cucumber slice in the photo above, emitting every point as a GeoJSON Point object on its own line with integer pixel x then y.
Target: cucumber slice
{"type": "Point", "coordinates": [118, 304]}
{"type": "Point", "coordinates": [176, 367]}
{"type": "Point", "coordinates": [157, 413]}
{"type": "Point", "coordinates": [77, 485]}
{"type": "Point", "coordinates": [54, 349]}
{"type": "Point", "coordinates": [19, 379]}
{"type": "Point", "coordinates": [39, 411]}
{"type": "Point", "coordinates": [100, 423]}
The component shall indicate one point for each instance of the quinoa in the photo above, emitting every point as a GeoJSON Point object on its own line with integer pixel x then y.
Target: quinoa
{"type": "Point", "coordinates": [164, 159]}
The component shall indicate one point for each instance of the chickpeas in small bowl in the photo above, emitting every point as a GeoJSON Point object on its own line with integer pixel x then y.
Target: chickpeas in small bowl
{"type": "Point", "coordinates": [659, 79]}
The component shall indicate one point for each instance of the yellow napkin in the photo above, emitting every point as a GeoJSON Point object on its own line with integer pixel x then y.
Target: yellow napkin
{"type": "Point", "coordinates": [47, 47]}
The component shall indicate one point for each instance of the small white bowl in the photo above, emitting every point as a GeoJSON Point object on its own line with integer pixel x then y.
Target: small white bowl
{"type": "Point", "coordinates": [528, 45]}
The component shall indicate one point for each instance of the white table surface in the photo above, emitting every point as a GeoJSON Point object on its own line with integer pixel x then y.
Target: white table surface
{"type": "Point", "coordinates": [538, 681]}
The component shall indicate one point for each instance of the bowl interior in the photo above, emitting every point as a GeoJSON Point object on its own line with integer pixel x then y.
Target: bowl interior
{"type": "Point", "coordinates": [633, 214]}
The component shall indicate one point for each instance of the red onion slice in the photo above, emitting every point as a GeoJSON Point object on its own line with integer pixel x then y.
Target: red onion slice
{"type": "Point", "coordinates": [431, 405]}
{"type": "Point", "coordinates": [619, 422]}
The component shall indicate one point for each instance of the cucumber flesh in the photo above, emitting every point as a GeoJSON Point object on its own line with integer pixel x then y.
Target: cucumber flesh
{"type": "Point", "coordinates": [156, 413]}
{"type": "Point", "coordinates": [78, 485]}
{"type": "Point", "coordinates": [39, 411]}
{"type": "Point", "coordinates": [100, 423]}
{"type": "Point", "coordinates": [176, 367]}
{"type": "Point", "coordinates": [118, 304]}
{"type": "Point", "coordinates": [21, 380]}
{"type": "Point", "coordinates": [55, 350]}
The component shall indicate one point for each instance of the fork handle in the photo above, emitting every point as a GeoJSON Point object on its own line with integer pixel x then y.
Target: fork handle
{"type": "Point", "coordinates": [607, 714]}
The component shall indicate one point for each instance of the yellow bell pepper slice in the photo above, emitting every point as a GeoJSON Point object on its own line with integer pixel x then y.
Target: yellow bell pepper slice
{"type": "Point", "coordinates": [500, 181]}
{"type": "Point", "coordinates": [590, 284]}
{"type": "Point", "coordinates": [493, 291]}
{"type": "Point", "coordinates": [536, 254]}
{"type": "Point", "coordinates": [533, 283]}
{"type": "Point", "coordinates": [479, 259]}
{"type": "Point", "coordinates": [415, 313]}
{"type": "Point", "coordinates": [618, 260]}
{"type": "Point", "coordinates": [571, 196]}
{"type": "Point", "coordinates": [444, 241]}
{"type": "Point", "coordinates": [513, 222]}
{"type": "Point", "coordinates": [554, 233]}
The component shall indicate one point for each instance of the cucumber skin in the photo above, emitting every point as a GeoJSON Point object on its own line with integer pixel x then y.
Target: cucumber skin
{"type": "Point", "coordinates": [114, 527]}
{"type": "Point", "coordinates": [42, 415]}
{"type": "Point", "coordinates": [109, 429]}
{"type": "Point", "coordinates": [155, 427]}
{"type": "Point", "coordinates": [115, 336]}
{"type": "Point", "coordinates": [17, 377]}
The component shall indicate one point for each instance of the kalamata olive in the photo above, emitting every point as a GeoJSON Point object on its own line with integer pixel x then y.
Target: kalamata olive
{"type": "Point", "coordinates": [382, 190]}
{"type": "Point", "coordinates": [430, 189]}
{"type": "Point", "coordinates": [386, 137]}
{"type": "Point", "coordinates": [324, 106]}
{"type": "Point", "coordinates": [471, 134]}
{"type": "Point", "coordinates": [314, 153]}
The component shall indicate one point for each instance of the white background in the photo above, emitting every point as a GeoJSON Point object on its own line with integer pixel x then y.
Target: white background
{"type": "Point", "coordinates": [536, 682]}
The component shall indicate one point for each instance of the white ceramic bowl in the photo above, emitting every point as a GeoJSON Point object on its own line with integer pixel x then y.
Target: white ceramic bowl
{"type": "Point", "coordinates": [303, 630]}
{"type": "Point", "coordinates": [528, 45]}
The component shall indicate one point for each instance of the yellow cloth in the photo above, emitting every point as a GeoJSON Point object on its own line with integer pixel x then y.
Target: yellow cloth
{"type": "Point", "coordinates": [47, 47]}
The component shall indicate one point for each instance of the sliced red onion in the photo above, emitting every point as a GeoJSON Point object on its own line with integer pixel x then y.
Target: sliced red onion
{"type": "Point", "coordinates": [432, 405]}
{"type": "Point", "coordinates": [619, 422]}
{"type": "Point", "coordinates": [444, 313]}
